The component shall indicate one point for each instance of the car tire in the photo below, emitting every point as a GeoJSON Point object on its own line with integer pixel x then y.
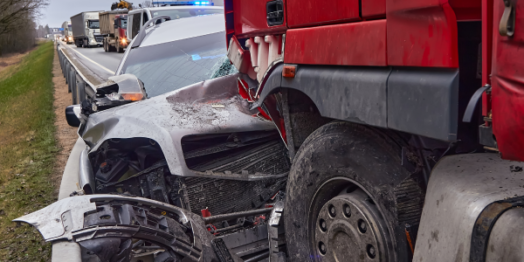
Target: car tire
{"type": "Point", "coordinates": [343, 164]}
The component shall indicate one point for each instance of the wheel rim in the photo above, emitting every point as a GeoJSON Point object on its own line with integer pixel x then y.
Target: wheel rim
{"type": "Point", "coordinates": [347, 225]}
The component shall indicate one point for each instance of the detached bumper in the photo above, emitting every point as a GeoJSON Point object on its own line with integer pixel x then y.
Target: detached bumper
{"type": "Point", "coordinates": [104, 225]}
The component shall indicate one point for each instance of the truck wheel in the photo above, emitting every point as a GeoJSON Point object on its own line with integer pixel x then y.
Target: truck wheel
{"type": "Point", "coordinates": [349, 198]}
{"type": "Point", "coordinates": [105, 46]}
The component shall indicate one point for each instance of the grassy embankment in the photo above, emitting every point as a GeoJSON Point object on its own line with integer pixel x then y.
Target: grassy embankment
{"type": "Point", "coordinates": [27, 152]}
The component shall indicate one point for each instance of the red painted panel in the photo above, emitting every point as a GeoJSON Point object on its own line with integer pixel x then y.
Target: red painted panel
{"type": "Point", "coordinates": [373, 8]}
{"type": "Point", "coordinates": [467, 10]}
{"type": "Point", "coordinates": [302, 13]}
{"type": "Point", "coordinates": [250, 19]}
{"type": "Point", "coordinates": [362, 43]}
{"type": "Point", "coordinates": [421, 33]}
{"type": "Point", "coordinates": [508, 85]}
{"type": "Point", "coordinates": [487, 41]}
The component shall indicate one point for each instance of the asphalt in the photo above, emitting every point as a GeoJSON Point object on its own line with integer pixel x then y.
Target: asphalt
{"type": "Point", "coordinates": [109, 60]}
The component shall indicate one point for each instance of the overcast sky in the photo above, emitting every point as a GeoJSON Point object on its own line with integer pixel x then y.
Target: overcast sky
{"type": "Point", "coordinates": [59, 11]}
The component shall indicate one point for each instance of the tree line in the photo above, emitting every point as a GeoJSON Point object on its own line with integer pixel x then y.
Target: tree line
{"type": "Point", "coordinates": [18, 30]}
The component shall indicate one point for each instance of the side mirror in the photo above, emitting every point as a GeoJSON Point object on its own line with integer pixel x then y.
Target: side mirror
{"type": "Point", "coordinates": [73, 115]}
{"type": "Point", "coordinates": [116, 25]}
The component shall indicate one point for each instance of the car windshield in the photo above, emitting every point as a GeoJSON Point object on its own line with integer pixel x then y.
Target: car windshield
{"type": "Point", "coordinates": [169, 66]}
{"type": "Point", "coordinates": [181, 13]}
{"type": "Point", "coordinates": [93, 24]}
{"type": "Point", "coordinates": [123, 23]}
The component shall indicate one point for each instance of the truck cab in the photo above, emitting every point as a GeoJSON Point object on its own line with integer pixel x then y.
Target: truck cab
{"type": "Point", "coordinates": [354, 86]}
{"type": "Point", "coordinates": [86, 29]}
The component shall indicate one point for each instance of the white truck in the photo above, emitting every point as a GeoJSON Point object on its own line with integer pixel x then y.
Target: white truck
{"type": "Point", "coordinates": [68, 32]}
{"type": "Point", "coordinates": [86, 29]}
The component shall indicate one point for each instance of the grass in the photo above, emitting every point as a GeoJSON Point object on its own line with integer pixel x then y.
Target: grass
{"type": "Point", "coordinates": [27, 153]}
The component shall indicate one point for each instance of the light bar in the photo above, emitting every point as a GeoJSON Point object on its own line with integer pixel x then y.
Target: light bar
{"type": "Point", "coordinates": [199, 3]}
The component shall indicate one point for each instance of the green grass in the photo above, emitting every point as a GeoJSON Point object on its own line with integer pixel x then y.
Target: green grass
{"type": "Point", "coordinates": [27, 153]}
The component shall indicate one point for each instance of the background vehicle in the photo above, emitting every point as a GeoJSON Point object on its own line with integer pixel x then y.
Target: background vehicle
{"type": "Point", "coordinates": [373, 96]}
{"type": "Point", "coordinates": [113, 26]}
{"type": "Point", "coordinates": [86, 29]}
{"type": "Point", "coordinates": [68, 32]}
{"type": "Point", "coordinates": [139, 17]}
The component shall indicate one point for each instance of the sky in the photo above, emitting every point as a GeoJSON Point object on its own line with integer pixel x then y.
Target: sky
{"type": "Point", "coordinates": [59, 11]}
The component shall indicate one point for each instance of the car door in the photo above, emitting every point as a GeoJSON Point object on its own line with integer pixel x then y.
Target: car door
{"type": "Point", "coordinates": [508, 78]}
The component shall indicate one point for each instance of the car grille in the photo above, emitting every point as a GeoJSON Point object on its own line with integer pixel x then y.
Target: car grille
{"type": "Point", "coordinates": [99, 38]}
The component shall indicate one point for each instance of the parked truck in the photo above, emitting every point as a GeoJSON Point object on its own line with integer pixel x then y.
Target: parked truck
{"type": "Point", "coordinates": [376, 101]}
{"type": "Point", "coordinates": [68, 32]}
{"type": "Point", "coordinates": [86, 29]}
{"type": "Point", "coordinates": [113, 25]}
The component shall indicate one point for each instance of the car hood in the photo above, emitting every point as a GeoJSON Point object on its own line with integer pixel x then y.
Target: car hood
{"type": "Point", "coordinates": [209, 107]}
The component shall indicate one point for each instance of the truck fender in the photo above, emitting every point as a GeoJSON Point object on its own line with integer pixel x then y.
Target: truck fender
{"type": "Point", "coordinates": [377, 96]}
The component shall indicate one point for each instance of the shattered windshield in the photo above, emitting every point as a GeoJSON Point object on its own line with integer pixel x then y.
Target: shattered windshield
{"type": "Point", "coordinates": [170, 66]}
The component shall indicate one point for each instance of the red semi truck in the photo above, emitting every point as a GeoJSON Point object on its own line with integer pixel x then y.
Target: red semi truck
{"type": "Point", "coordinates": [404, 121]}
{"type": "Point", "coordinates": [113, 25]}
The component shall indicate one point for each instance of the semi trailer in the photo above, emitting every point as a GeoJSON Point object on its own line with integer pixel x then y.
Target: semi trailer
{"type": "Point", "coordinates": [68, 32]}
{"type": "Point", "coordinates": [403, 120]}
{"type": "Point", "coordinates": [86, 29]}
{"type": "Point", "coordinates": [113, 26]}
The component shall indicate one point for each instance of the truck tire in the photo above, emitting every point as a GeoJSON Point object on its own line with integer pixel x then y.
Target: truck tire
{"type": "Point", "coordinates": [349, 198]}
{"type": "Point", "coordinates": [105, 45]}
{"type": "Point", "coordinates": [118, 48]}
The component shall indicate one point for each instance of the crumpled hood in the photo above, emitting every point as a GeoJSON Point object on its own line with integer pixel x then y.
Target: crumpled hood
{"type": "Point", "coordinates": [209, 107]}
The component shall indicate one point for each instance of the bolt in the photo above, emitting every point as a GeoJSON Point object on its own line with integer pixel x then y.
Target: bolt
{"type": "Point", "coordinates": [371, 251]}
{"type": "Point", "coordinates": [332, 210]}
{"type": "Point", "coordinates": [362, 226]}
{"type": "Point", "coordinates": [323, 225]}
{"type": "Point", "coordinates": [347, 210]}
{"type": "Point", "coordinates": [322, 247]}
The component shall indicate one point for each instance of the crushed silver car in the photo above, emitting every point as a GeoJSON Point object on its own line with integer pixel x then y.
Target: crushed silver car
{"type": "Point", "coordinates": [193, 174]}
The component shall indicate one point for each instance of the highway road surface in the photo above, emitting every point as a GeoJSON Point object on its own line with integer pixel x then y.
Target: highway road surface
{"type": "Point", "coordinates": [109, 60]}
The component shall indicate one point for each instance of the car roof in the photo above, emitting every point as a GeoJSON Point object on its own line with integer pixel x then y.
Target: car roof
{"type": "Point", "coordinates": [175, 8]}
{"type": "Point", "coordinates": [184, 28]}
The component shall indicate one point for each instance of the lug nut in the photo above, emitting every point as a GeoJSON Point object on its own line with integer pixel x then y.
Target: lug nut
{"type": "Point", "coordinates": [371, 251]}
{"type": "Point", "coordinates": [322, 248]}
{"type": "Point", "coordinates": [362, 227]}
{"type": "Point", "coordinates": [323, 225]}
{"type": "Point", "coordinates": [332, 210]}
{"type": "Point", "coordinates": [347, 210]}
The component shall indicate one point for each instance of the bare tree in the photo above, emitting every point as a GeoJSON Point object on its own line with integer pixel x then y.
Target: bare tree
{"type": "Point", "coordinates": [11, 11]}
{"type": "Point", "coordinates": [17, 26]}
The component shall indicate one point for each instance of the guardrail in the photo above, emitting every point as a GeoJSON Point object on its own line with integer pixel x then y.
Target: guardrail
{"type": "Point", "coordinates": [78, 85]}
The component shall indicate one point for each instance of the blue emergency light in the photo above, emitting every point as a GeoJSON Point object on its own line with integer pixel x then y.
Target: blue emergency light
{"type": "Point", "coordinates": [199, 3]}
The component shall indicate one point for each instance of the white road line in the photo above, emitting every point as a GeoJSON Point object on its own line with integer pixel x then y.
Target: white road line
{"type": "Point", "coordinates": [103, 67]}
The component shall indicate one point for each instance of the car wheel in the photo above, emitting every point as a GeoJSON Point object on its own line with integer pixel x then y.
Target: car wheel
{"type": "Point", "coordinates": [349, 198]}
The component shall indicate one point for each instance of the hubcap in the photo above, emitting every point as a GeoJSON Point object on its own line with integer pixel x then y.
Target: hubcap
{"type": "Point", "coordinates": [349, 227]}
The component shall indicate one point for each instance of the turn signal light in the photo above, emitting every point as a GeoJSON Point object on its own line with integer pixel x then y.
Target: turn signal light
{"type": "Point", "coordinates": [132, 96]}
{"type": "Point", "coordinates": [289, 71]}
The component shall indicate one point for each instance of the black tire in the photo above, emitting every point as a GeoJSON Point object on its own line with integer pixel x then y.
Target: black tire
{"type": "Point", "coordinates": [342, 158]}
